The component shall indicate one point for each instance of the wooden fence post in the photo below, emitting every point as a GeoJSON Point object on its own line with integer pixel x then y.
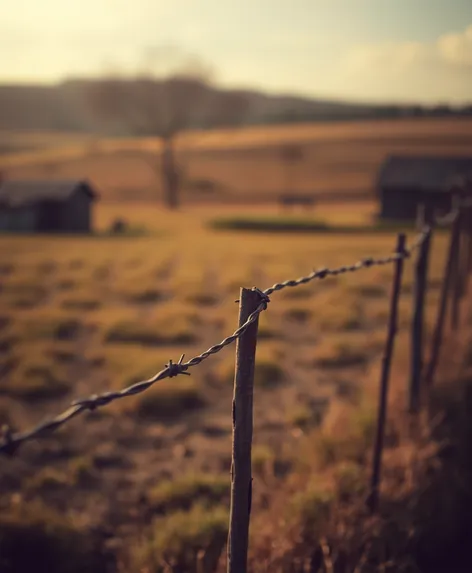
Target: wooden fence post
{"type": "Point", "coordinates": [420, 287]}
{"type": "Point", "coordinates": [464, 251]}
{"type": "Point", "coordinates": [469, 244]}
{"type": "Point", "coordinates": [457, 279]}
{"type": "Point", "coordinates": [384, 380]}
{"type": "Point", "coordinates": [241, 475]}
{"type": "Point", "coordinates": [442, 309]}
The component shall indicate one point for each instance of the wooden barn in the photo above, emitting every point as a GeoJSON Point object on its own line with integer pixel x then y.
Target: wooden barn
{"type": "Point", "coordinates": [46, 206]}
{"type": "Point", "coordinates": [404, 182]}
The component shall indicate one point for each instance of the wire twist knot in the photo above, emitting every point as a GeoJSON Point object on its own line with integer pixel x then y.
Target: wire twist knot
{"type": "Point", "coordinates": [174, 369]}
{"type": "Point", "coordinates": [264, 297]}
{"type": "Point", "coordinates": [92, 403]}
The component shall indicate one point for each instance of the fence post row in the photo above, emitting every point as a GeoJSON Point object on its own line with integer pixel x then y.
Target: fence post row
{"type": "Point", "coordinates": [456, 282]}
{"type": "Point", "coordinates": [464, 253]}
{"type": "Point", "coordinates": [442, 308]}
{"type": "Point", "coordinates": [384, 381]}
{"type": "Point", "coordinates": [419, 294]}
{"type": "Point", "coordinates": [468, 210]}
{"type": "Point", "coordinates": [241, 475]}
{"type": "Point", "coordinates": [466, 248]}
{"type": "Point", "coordinates": [469, 244]}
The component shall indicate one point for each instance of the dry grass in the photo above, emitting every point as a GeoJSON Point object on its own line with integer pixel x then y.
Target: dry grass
{"type": "Point", "coordinates": [185, 492]}
{"type": "Point", "coordinates": [78, 316]}
{"type": "Point", "coordinates": [268, 371]}
{"type": "Point", "coordinates": [107, 317]}
{"type": "Point", "coordinates": [170, 400]}
{"type": "Point", "coordinates": [185, 541]}
{"type": "Point", "coordinates": [244, 164]}
{"type": "Point", "coordinates": [35, 537]}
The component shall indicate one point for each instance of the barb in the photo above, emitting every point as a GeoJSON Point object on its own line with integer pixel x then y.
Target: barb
{"type": "Point", "coordinates": [10, 442]}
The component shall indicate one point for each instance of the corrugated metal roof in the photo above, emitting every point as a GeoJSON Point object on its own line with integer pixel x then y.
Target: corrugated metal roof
{"type": "Point", "coordinates": [433, 173]}
{"type": "Point", "coordinates": [16, 193]}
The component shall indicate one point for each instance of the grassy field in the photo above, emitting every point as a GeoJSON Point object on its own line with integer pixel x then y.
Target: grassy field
{"type": "Point", "coordinates": [144, 483]}
{"type": "Point", "coordinates": [237, 166]}
{"type": "Point", "coordinates": [81, 315]}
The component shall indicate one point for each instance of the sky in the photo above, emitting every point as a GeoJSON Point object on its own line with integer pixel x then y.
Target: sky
{"type": "Point", "coordinates": [371, 50]}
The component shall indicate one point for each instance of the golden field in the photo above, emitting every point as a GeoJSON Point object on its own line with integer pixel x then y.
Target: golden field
{"type": "Point", "coordinates": [241, 165]}
{"type": "Point", "coordinates": [147, 478]}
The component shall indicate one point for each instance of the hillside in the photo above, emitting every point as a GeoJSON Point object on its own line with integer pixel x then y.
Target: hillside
{"type": "Point", "coordinates": [64, 107]}
{"type": "Point", "coordinates": [235, 166]}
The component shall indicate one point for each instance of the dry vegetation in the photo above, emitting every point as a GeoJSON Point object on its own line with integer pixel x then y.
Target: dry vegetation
{"type": "Point", "coordinates": [239, 166]}
{"type": "Point", "coordinates": [145, 480]}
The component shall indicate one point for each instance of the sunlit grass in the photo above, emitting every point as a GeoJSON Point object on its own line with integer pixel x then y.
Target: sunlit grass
{"type": "Point", "coordinates": [124, 309]}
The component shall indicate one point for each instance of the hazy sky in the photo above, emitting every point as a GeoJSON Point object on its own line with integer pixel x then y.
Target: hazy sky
{"type": "Point", "coordinates": [416, 50]}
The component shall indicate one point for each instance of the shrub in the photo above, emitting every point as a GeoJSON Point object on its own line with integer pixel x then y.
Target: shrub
{"type": "Point", "coordinates": [370, 290]}
{"type": "Point", "coordinates": [346, 435]}
{"type": "Point", "coordinates": [48, 325]}
{"type": "Point", "coordinates": [37, 381]}
{"type": "Point", "coordinates": [24, 293]}
{"type": "Point", "coordinates": [184, 492]}
{"type": "Point", "coordinates": [187, 541]}
{"type": "Point", "coordinates": [266, 225]}
{"type": "Point", "coordinates": [143, 296]}
{"type": "Point", "coordinates": [300, 315]}
{"type": "Point", "coordinates": [304, 416]}
{"type": "Point", "coordinates": [340, 354]}
{"type": "Point", "coordinates": [81, 304]}
{"type": "Point", "coordinates": [128, 332]}
{"type": "Point", "coordinates": [263, 459]}
{"type": "Point", "coordinates": [34, 538]}
{"type": "Point", "coordinates": [311, 508]}
{"type": "Point", "coordinates": [350, 481]}
{"type": "Point", "coordinates": [169, 400]}
{"type": "Point", "coordinates": [268, 372]}
{"type": "Point", "coordinates": [48, 479]}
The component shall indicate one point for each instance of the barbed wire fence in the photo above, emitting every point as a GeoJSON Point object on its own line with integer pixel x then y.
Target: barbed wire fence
{"type": "Point", "coordinates": [254, 301]}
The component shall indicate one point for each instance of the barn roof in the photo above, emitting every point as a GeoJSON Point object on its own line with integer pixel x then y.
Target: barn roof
{"type": "Point", "coordinates": [17, 193]}
{"type": "Point", "coordinates": [432, 173]}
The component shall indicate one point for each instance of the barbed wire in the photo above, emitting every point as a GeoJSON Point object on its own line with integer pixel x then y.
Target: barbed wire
{"type": "Point", "coordinates": [10, 442]}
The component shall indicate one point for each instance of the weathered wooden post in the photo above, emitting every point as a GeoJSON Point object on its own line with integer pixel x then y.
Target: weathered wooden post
{"type": "Point", "coordinates": [384, 381]}
{"type": "Point", "coordinates": [419, 295]}
{"type": "Point", "coordinates": [468, 201]}
{"type": "Point", "coordinates": [241, 475]}
{"type": "Point", "coordinates": [467, 231]}
{"type": "Point", "coordinates": [456, 285]}
{"type": "Point", "coordinates": [469, 243]}
{"type": "Point", "coordinates": [442, 308]}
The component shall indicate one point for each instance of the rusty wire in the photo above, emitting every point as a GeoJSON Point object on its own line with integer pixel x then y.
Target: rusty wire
{"type": "Point", "coordinates": [10, 442]}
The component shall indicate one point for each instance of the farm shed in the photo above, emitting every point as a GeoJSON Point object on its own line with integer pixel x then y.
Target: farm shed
{"type": "Point", "coordinates": [46, 206]}
{"type": "Point", "coordinates": [404, 182]}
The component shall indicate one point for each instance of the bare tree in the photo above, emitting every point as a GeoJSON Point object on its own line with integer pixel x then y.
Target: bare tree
{"type": "Point", "coordinates": [150, 105]}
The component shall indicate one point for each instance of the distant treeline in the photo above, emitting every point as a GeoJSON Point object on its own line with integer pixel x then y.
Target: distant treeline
{"type": "Point", "coordinates": [380, 112]}
{"type": "Point", "coordinates": [64, 107]}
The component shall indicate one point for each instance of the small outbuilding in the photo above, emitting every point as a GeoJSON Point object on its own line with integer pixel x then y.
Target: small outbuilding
{"type": "Point", "coordinates": [32, 206]}
{"type": "Point", "coordinates": [407, 181]}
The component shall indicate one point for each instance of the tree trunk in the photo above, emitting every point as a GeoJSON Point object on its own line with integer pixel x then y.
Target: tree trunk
{"type": "Point", "coordinates": [170, 181]}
